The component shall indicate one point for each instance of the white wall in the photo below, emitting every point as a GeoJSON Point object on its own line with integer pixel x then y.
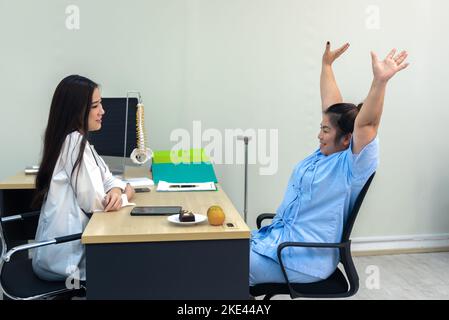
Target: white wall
{"type": "Point", "coordinates": [244, 64]}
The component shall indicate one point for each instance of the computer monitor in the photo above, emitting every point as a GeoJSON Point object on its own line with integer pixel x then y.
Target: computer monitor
{"type": "Point", "coordinates": [109, 141]}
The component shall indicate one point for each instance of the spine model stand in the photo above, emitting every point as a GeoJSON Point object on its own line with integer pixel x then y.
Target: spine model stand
{"type": "Point", "coordinates": [142, 153]}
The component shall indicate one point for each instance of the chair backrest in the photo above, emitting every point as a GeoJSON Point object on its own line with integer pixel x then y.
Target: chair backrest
{"type": "Point", "coordinates": [355, 210]}
{"type": "Point", "coordinates": [18, 202]}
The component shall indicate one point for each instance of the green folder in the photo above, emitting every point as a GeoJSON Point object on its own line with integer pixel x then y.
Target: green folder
{"type": "Point", "coordinates": [180, 156]}
{"type": "Point", "coordinates": [184, 172]}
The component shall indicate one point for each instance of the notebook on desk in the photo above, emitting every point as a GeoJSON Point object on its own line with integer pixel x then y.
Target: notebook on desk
{"type": "Point", "coordinates": [180, 156]}
{"type": "Point", "coordinates": [184, 172]}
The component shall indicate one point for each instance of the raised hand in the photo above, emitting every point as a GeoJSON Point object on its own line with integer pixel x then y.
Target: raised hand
{"type": "Point", "coordinates": [386, 69]}
{"type": "Point", "coordinates": [329, 56]}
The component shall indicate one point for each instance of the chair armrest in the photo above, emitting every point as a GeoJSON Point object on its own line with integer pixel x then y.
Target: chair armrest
{"type": "Point", "coordinates": [311, 245]}
{"type": "Point", "coordinates": [341, 246]}
{"type": "Point", "coordinates": [72, 237]}
{"type": "Point", "coordinates": [20, 216]}
{"type": "Point", "coordinates": [262, 217]}
{"type": "Point", "coordinates": [10, 253]}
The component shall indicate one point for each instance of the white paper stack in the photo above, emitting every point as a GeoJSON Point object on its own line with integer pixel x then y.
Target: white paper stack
{"type": "Point", "coordinates": [32, 170]}
{"type": "Point", "coordinates": [139, 182]}
{"type": "Point", "coordinates": [125, 203]}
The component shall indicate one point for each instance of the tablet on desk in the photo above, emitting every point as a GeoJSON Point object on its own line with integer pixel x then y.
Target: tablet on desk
{"type": "Point", "coordinates": [156, 210]}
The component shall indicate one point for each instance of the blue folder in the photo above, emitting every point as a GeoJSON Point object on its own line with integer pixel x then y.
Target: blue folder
{"type": "Point", "coordinates": [184, 172]}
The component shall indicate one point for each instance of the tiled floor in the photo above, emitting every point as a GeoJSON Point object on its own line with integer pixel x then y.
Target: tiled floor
{"type": "Point", "coordinates": [404, 277]}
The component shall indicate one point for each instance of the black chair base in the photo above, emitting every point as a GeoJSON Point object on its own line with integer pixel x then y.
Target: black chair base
{"type": "Point", "coordinates": [336, 284]}
{"type": "Point", "coordinates": [19, 281]}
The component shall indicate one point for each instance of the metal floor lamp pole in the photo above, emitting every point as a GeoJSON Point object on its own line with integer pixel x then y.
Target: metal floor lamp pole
{"type": "Point", "coordinates": [245, 199]}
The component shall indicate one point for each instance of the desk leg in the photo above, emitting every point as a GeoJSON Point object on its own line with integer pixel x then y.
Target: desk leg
{"type": "Point", "coordinates": [207, 269]}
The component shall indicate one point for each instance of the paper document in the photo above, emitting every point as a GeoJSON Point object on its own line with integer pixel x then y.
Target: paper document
{"type": "Point", "coordinates": [200, 186]}
{"type": "Point", "coordinates": [125, 203]}
{"type": "Point", "coordinates": [139, 182]}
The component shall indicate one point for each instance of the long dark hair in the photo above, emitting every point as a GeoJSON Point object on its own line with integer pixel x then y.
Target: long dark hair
{"type": "Point", "coordinates": [342, 116]}
{"type": "Point", "coordinates": [69, 112]}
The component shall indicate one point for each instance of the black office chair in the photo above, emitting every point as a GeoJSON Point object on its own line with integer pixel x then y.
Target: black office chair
{"type": "Point", "coordinates": [336, 285]}
{"type": "Point", "coordinates": [17, 278]}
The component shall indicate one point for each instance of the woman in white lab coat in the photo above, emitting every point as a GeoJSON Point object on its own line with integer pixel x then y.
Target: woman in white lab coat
{"type": "Point", "coordinates": [73, 181]}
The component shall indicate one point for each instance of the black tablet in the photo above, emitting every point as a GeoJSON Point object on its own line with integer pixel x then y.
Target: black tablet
{"type": "Point", "coordinates": [156, 210]}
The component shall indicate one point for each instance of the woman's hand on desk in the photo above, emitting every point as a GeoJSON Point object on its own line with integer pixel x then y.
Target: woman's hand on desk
{"type": "Point", "coordinates": [113, 200]}
{"type": "Point", "coordinates": [129, 191]}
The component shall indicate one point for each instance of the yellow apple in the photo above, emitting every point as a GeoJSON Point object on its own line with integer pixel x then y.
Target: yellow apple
{"type": "Point", "coordinates": [215, 215]}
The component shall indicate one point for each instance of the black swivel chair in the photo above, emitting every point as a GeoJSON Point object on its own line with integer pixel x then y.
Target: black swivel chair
{"type": "Point", "coordinates": [17, 278]}
{"type": "Point", "coordinates": [336, 285]}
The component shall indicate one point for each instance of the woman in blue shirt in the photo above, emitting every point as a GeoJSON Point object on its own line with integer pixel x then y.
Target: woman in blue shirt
{"type": "Point", "coordinates": [323, 187]}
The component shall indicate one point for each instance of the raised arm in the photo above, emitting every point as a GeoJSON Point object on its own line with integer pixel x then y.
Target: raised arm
{"type": "Point", "coordinates": [368, 120]}
{"type": "Point", "coordinates": [330, 94]}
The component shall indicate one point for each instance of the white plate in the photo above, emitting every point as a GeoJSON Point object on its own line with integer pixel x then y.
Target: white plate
{"type": "Point", "coordinates": [175, 219]}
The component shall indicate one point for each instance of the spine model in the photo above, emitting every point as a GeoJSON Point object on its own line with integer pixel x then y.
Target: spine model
{"type": "Point", "coordinates": [142, 153]}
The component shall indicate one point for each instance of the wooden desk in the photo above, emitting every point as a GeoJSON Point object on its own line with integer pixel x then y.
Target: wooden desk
{"type": "Point", "coordinates": [120, 226]}
{"type": "Point", "coordinates": [131, 257]}
{"type": "Point", "coordinates": [19, 181]}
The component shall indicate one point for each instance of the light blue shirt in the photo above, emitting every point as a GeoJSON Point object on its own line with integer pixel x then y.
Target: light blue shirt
{"type": "Point", "coordinates": [320, 194]}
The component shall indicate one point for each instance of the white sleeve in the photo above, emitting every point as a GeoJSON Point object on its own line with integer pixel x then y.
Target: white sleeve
{"type": "Point", "coordinates": [86, 181]}
{"type": "Point", "coordinates": [109, 181]}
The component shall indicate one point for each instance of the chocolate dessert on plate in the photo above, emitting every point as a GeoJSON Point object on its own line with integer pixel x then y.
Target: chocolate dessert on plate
{"type": "Point", "coordinates": [186, 216]}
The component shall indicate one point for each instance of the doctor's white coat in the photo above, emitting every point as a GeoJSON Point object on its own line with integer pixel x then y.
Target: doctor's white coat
{"type": "Point", "coordinates": [64, 209]}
